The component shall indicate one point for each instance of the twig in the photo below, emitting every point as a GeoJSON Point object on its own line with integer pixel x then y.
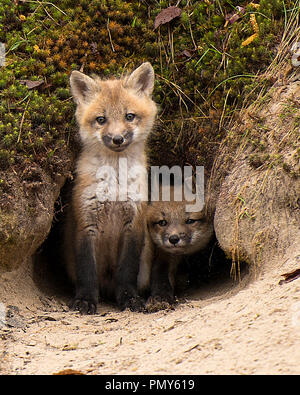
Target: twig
{"type": "Point", "coordinates": [180, 92]}
{"type": "Point", "coordinates": [109, 35]}
{"type": "Point", "coordinates": [223, 112]}
{"type": "Point", "coordinates": [22, 120]}
{"type": "Point", "coordinates": [44, 2]}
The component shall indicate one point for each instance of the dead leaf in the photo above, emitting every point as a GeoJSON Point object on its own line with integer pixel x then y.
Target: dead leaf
{"type": "Point", "coordinates": [186, 53]}
{"type": "Point", "coordinates": [70, 347]}
{"type": "Point", "coordinates": [254, 23]}
{"type": "Point", "coordinates": [196, 347]}
{"type": "Point", "coordinates": [290, 276]}
{"type": "Point", "coordinates": [255, 28]}
{"type": "Point", "coordinates": [111, 320]}
{"type": "Point", "coordinates": [41, 317]}
{"type": "Point", "coordinates": [249, 39]}
{"type": "Point", "coordinates": [31, 84]}
{"type": "Point", "coordinates": [68, 372]}
{"type": "Point", "coordinates": [233, 17]}
{"type": "Point", "coordinates": [94, 48]}
{"type": "Point", "coordinates": [254, 5]}
{"type": "Point", "coordinates": [167, 15]}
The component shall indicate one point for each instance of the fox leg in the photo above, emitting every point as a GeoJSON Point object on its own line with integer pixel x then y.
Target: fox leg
{"type": "Point", "coordinates": [160, 283]}
{"type": "Point", "coordinates": [86, 281]}
{"type": "Point", "coordinates": [162, 286]}
{"type": "Point", "coordinates": [127, 272]}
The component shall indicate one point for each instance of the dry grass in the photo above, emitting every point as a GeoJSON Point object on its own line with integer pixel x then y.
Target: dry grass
{"type": "Point", "coordinates": [252, 126]}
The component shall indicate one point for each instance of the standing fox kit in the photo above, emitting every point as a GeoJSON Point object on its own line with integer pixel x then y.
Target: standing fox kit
{"type": "Point", "coordinates": [170, 233]}
{"type": "Point", "coordinates": [115, 117]}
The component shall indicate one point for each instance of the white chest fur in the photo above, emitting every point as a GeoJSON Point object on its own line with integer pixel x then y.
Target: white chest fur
{"type": "Point", "coordinates": [114, 177]}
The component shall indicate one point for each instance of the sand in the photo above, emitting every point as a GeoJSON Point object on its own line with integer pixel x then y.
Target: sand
{"type": "Point", "coordinates": [251, 326]}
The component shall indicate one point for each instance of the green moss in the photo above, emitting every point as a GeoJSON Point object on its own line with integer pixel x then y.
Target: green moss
{"type": "Point", "coordinates": [194, 89]}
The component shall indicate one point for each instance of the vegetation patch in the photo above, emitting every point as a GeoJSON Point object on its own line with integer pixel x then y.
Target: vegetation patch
{"type": "Point", "coordinates": [206, 57]}
{"type": "Point", "coordinates": [203, 67]}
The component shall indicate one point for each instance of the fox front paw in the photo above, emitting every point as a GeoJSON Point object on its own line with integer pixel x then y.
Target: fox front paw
{"type": "Point", "coordinates": [157, 303]}
{"type": "Point", "coordinates": [84, 306]}
{"type": "Point", "coordinates": [131, 302]}
{"type": "Point", "coordinates": [136, 304]}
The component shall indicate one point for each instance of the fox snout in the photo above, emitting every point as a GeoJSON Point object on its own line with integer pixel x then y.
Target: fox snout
{"type": "Point", "coordinates": [175, 243]}
{"type": "Point", "coordinates": [118, 142]}
{"type": "Point", "coordinates": [176, 239]}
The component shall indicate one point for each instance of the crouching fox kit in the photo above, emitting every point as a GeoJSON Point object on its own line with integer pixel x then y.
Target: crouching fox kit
{"type": "Point", "coordinates": [170, 233]}
{"type": "Point", "coordinates": [115, 117]}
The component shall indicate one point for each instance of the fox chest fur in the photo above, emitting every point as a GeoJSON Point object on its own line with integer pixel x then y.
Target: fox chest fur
{"type": "Point", "coordinates": [115, 118]}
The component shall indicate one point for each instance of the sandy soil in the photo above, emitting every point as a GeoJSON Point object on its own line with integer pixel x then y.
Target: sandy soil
{"type": "Point", "coordinates": [227, 327]}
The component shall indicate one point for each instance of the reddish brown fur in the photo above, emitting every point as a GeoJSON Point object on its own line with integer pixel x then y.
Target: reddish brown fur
{"type": "Point", "coordinates": [160, 258]}
{"type": "Point", "coordinates": [105, 224]}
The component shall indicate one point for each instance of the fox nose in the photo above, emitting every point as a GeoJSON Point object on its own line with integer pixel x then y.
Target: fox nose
{"type": "Point", "coordinates": [118, 140]}
{"type": "Point", "coordinates": [174, 239]}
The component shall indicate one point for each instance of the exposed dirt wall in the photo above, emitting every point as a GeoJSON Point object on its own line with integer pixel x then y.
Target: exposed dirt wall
{"type": "Point", "coordinates": [257, 213]}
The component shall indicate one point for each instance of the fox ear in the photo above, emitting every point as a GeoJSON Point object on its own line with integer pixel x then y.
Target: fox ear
{"type": "Point", "coordinates": [82, 86]}
{"type": "Point", "coordinates": [142, 79]}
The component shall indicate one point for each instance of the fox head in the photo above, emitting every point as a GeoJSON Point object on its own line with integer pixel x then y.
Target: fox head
{"type": "Point", "coordinates": [114, 113]}
{"type": "Point", "coordinates": [176, 231]}
{"type": "Point", "coordinates": [172, 228]}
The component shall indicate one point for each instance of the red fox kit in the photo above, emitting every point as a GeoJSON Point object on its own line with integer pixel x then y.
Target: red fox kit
{"type": "Point", "coordinates": [115, 117]}
{"type": "Point", "coordinates": [171, 232]}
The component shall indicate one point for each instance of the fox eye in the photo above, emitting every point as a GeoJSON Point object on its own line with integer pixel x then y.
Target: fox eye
{"type": "Point", "coordinates": [190, 221]}
{"type": "Point", "coordinates": [162, 222]}
{"type": "Point", "coordinates": [101, 120]}
{"type": "Point", "coordinates": [130, 117]}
